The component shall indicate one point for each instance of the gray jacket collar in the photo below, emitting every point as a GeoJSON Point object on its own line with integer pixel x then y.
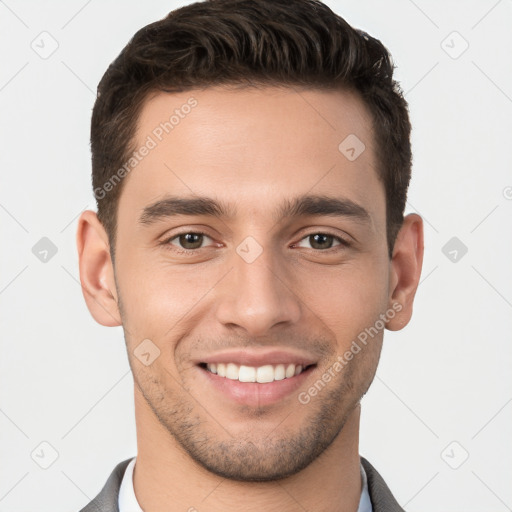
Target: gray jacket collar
{"type": "Point", "coordinates": [107, 500]}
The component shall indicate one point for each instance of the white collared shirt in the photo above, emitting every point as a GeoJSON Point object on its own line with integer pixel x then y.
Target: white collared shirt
{"type": "Point", "coordinates": [128, 502]}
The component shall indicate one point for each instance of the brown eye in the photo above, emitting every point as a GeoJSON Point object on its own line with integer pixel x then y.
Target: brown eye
{"type": "Point", "coordinates": [188, 241]}
{"type": "Point", "coordinates": [322, 241]}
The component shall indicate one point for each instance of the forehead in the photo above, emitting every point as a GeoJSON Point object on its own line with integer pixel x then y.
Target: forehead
{"type": "Point", "coordinates": [254, 147]}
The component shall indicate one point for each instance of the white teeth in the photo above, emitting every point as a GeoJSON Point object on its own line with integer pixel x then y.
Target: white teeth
{"type": "Point", "coordinates": [261, 374]}
{"type": "Point", "coordinates": [279, 372]}
{"type": "Point", "coordinates": [232, 371]}
{"type": "Point", "coordinates": [247, 374]}
{"type": "Point", "coordinates": [265, 373]}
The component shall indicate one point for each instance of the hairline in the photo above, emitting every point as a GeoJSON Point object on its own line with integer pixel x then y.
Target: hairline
{"type": "Point", "coordinates": [152, 90]}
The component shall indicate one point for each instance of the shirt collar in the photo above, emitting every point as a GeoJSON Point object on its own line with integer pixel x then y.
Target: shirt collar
{"type": "Point", "coordinates": [128, 501]}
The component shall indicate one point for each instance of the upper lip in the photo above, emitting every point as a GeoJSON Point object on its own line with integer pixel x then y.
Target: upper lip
{"type": "Point", "coordinates": [248, 357]}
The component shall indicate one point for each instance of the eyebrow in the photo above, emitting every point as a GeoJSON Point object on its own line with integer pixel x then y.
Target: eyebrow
{"type": "Point", "coordinates": [305, 205]}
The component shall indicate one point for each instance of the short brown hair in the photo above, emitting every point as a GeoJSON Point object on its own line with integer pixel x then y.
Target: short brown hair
{"type": "Point", "coordinates": [252, 42]}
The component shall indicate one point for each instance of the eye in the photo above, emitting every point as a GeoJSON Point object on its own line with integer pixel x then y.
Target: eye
{"type": "Point", "coordinates": [193, 240]}
{"type": "Point", "coordinates": [188, 241]}
{"type": "Point", "coordinates": [322, 241]}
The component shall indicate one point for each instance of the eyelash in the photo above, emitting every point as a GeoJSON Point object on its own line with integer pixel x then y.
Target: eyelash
{"type": "Point", "coordinates": [166, 243]}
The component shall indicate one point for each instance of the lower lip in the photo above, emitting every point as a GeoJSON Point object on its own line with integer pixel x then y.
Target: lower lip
{"type": "Point", "coordinates": [256, 394]}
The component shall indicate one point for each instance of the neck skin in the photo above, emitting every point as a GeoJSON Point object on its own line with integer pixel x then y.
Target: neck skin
{"type": "Point", "coordinates": [166, 479]}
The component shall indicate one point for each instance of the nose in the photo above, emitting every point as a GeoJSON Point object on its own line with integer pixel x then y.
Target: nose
{"type": "Point", "coordinates": [257, 296]}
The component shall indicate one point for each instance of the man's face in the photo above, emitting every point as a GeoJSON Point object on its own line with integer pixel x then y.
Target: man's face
{"type": "Point", "coordinates": [253, 287]}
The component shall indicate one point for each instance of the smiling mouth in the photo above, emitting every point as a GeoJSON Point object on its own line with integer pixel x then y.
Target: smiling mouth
{"type": "Point", "coordinates": [260, 374]}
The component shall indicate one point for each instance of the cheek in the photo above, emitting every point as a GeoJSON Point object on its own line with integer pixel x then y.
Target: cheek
{"type": "Point", "coordinates": [159, 299]}
{"type": "Point", "coordinates": [347, 300]}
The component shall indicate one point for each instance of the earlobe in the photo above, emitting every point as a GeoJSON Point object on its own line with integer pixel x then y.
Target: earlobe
{"type": "Point", "coordinates": [96, 270]}
{"type": "Point", "coordinates": [405, 271]}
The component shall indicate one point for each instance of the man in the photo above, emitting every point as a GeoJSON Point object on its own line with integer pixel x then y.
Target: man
{"type": "Point", "coordinates": [251, 161]}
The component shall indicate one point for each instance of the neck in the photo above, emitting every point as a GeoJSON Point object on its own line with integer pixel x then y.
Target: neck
{"type": "Point", "coordinates": [166, 479]}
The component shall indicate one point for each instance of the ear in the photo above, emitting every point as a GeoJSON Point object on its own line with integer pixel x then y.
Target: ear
{"type": "Point", "coordinates": [96, 270]}
{"type": "Point", "coordinates": [405, 271]}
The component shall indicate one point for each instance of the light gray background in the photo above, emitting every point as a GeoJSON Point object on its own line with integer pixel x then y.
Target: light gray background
{"type": "Point", "coordinates": [443, 389]}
